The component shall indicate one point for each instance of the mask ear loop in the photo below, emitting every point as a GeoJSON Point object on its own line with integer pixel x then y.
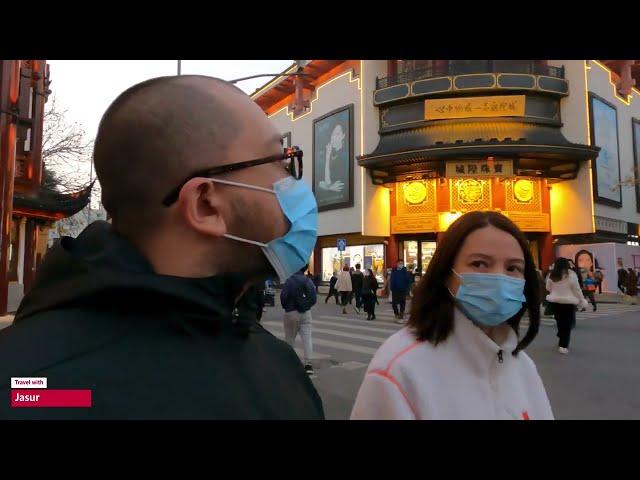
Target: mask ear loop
{"type": "Point", "coordinates": [245, 185]}
{"type": "Point", "coordinates": [461, 281]}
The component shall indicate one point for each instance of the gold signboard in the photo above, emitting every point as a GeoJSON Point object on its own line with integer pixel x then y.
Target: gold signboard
{"type": "Point", "coordinates": [480, 168]}
{"type": "Point", "coordinates": [415, 193]}
{"type": "Point", "coordinates": [523, 190]}
{"type": "Point", "coordinates": [470, 191]}
{"type": "Point", "coordinates": [469, 107]}
{"type": "Point", "coordinates": [415, 223]}
{"type": "Point", "coordinates": [530, 222]}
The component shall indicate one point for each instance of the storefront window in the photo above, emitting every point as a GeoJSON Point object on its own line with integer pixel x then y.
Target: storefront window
{"type": "Point", "coordinates": [410, 254]}
{"type": "Point", "coordinates": [428, 249]}
{"type": "Point", "coordinates": [406, 66]}
{"type": "Point", "coordinates": [368, 256]}
{"type": "Point", "coordinates": [461, 67]}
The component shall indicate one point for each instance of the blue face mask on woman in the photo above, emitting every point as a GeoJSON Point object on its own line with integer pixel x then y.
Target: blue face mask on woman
{"type": "Point", "coordinates": [290, 253]}
{"type": "Point", "coordinates": [489, 299]}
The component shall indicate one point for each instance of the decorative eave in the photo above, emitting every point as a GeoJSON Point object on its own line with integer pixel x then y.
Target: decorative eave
{"type": "Point", "coordinates": [627, 73]}
{"type": "Point", "coordinates": [51, 205]}
{"type": "Point", "coordinates": [281, 91]}
{"type": "Point", "coordinates": [537, 150]}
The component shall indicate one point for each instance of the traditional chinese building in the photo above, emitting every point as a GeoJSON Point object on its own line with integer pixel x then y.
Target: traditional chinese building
{"type": "Point", "coordinates": [398, 149]}
{"type": "Point", "coordinates": [27, 207]}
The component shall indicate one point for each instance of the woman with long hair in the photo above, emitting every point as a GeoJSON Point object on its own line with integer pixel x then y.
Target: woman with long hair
{"type": "Point", "coordinates": [461, 354]}
{"type": "Point", "coordinates": [344, 287]}
{"type": "Point", "coordinates": [565, 295]}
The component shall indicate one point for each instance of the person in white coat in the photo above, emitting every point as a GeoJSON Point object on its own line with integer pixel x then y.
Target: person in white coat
{"type": "Point", "coordinates": [564, 296]}
{"type": "Point", "coordinates": [344, 287]}
{"type": "Point", "coordinates": [460, 355]}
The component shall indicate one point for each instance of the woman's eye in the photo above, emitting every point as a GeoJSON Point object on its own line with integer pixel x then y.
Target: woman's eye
{"type": "Point", "coordinates": [515, 268]}
{"type": "Point", "coordinates": [479, 264]}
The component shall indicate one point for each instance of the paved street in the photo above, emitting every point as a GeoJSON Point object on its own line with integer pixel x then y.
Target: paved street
{"type": "Point", "coordinates": [599, 379]}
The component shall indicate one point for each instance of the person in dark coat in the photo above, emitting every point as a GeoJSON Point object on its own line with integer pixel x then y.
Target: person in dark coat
{"type": "Point", "coordinates": [152, 313]}
{"type": "Point", "coordinates": [632, 284]}
{"type": "Point", "coordinates": [332, 289]}
{"type": "Point", "coordinates": [297, 297]}
{"type": "Point", "coordinates": [357, 279]}
{"type": "Point", "coordinates": [399, 289]}
{"type": "Point", "coordinates": [622, 280]}
{"type": "Point", "coordinates": [369, 293]}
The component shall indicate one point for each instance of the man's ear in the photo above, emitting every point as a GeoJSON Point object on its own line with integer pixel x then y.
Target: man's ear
{"type": "Point", "coordinates": [201, 205]}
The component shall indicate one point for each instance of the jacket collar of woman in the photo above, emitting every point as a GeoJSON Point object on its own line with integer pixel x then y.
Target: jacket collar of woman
{"type": "Point", "coordinates": [478, 349]}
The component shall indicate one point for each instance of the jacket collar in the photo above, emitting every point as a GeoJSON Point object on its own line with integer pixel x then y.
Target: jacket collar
{"type": "Point", "coordinates": [478, 350]}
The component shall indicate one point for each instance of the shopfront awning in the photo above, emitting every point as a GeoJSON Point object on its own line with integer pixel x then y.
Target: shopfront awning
{"type": "Point", "coordinates": [537, 150]}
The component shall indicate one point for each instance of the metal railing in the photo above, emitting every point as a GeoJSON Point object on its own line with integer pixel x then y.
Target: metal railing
{"type": "Point", "coordinates": [489, 66]}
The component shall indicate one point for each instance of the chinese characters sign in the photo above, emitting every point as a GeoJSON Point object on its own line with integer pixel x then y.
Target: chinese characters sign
{"type": "Point", "coordinates": [480, 168]}
{"type": "Point", "coordinates": [468, 107]}
{"type": "Point", "coordinates": [415, 223]}
{"type": "Point", "coordinates": [610, 225]}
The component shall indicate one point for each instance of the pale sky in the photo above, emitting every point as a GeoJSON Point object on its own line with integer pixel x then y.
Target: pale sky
{"type": "Point", "coordinates": [85, 88]}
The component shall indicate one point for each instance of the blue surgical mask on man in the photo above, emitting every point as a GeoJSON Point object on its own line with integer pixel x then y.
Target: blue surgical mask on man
{"type": "Point", "coordinates": [290, 253]}
{"type": "Point", "coordinates": [489, 299]}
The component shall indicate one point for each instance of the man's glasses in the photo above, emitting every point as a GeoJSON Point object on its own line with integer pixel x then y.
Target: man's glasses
{"type": "Point", "coordinates": [293, 166]}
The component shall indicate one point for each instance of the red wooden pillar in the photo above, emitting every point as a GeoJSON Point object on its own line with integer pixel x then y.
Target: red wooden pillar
{"type": "Point", "coordinates": [392, 68]}
{"type": "Point", "coordinates": [440, 67]}
{"type": "Point", "coordinates": [39, 88]}
{"type": "Point", "coordinates": [547, 254]}
{"type": "Point", "coordinates": [392, 251]}
{"type": "Point", "coordinates": [9, 78]}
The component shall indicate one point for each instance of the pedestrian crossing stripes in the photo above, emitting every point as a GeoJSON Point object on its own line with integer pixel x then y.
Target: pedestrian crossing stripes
{"type": "Point", "coordinates": [277, 330]}
{"type": "Point", "coordinates": [339, 337]}
{"type": "Point", "coordinates": [337, 333]}
{"type": "Point", "coordinates": [604, 310]}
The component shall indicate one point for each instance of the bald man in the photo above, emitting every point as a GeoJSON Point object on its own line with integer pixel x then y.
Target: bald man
{"type": "Point", "coordinates": [152, 312]}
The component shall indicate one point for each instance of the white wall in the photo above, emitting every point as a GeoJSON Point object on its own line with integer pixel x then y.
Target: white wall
{"type": "Point", "coordinates": [376, 201]}
{"type": "Point", "coordinates": [572, 200]}
{"type": "Point", "coordinates": [599, 83]}
{"type": "Point", "coordinates": [337, 92]}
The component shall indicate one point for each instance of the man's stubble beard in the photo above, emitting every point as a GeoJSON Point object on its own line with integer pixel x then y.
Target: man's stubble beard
{"type": "Point", "coordinates": [245, 258]}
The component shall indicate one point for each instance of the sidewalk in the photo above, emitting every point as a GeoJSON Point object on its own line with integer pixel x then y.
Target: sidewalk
{"type": "Point", "coordinates": [609, 298]}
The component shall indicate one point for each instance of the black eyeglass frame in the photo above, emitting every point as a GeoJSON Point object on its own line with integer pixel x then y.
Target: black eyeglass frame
{"type": "Point", "coordinates": [292, 153]}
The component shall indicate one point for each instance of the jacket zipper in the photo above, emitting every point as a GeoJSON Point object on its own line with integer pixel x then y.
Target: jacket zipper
{"type": "Point", "coordinates": [500, 360]}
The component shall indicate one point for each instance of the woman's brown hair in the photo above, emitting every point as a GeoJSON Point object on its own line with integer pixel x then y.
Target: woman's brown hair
{"type": "Point", "coordinates": [432, 306]}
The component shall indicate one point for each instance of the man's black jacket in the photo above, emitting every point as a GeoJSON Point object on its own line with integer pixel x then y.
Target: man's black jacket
{"type": "Point", "coordinates": [148, 346]}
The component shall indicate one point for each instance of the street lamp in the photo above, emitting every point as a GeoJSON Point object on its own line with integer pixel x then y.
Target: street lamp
{"type": "Point", "coordinates": [301, 64]}
{"type": "Point", "coordinates": [269, 75]}
{"type": "Point", "coordinates": [299, 104]}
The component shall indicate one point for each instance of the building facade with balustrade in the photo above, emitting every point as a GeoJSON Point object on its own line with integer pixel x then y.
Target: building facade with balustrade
{"type": "Point", "coordinates": [398, 149]}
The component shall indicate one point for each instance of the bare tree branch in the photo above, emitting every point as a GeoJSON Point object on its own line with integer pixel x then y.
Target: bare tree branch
{"type": "Point", "coordinates": [66, 152]}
